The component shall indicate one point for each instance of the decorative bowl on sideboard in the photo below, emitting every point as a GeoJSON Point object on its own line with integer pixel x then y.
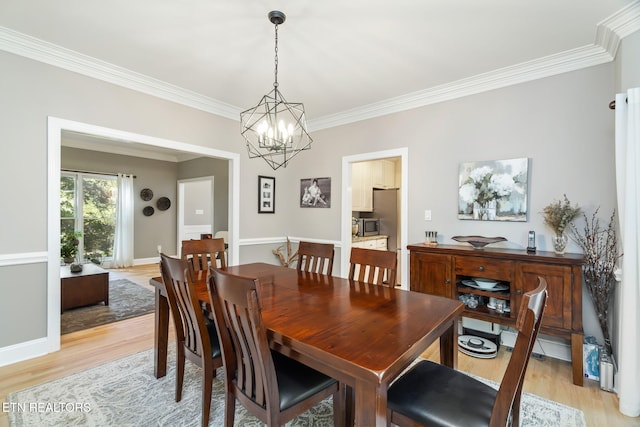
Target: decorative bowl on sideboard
{"type": "Point", "coordinates": [478, 242]}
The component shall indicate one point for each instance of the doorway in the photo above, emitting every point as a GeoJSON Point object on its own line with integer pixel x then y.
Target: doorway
{"type": "Point", "coordinates": [347, 199]}
{"type": "Point", "coordinates": [55, 128]}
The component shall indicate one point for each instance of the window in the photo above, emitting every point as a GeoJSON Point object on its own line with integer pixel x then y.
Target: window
{"type": "Point", "coordinates": [88, 205]}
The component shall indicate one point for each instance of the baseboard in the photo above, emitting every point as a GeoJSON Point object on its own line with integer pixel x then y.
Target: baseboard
{"type": "Point", "coordinates": [145, 261]}
{"type": "Point", "coordinates": [542, 347]}
{"type": "Point", "coordinates": [23, 351]}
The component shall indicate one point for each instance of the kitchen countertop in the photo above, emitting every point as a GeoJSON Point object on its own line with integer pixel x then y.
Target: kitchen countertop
{"type": "Point", "coordinates": [365, 238]}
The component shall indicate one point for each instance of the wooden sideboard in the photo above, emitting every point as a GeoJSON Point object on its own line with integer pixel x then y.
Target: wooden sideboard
{"type": "Point", "coordinates": [441, 270]}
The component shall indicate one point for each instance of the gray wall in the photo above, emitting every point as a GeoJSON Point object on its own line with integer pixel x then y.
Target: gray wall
{"type": "Point", "coordinates": [157, 175]}
{"type": "Point", "coordinates": [561, 123]}
{"type": "Point", "coordinates": [628, 63]}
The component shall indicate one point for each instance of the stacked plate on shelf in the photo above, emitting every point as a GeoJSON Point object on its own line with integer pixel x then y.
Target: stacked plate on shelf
{"type": "Point", "coordinates": [477, 347]}
{"type": "Point", "coordinates": [485, 284]}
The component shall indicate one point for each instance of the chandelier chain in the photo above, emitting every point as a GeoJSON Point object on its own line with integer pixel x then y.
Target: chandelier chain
{"type": "Point", "coordinates": [275, 82]}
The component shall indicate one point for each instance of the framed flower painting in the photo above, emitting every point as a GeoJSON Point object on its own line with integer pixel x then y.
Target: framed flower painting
{"type": "Point", "coordinates": [494, 190]}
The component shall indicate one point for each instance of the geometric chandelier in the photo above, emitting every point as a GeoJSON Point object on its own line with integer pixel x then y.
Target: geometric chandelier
{"type": "Point", "coordinates": [275, 129]}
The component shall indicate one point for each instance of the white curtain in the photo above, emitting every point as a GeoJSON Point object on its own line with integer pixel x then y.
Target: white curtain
{"type": "Point", "coordinates": [123, 241]}
{"type": "Point", "coordinates": [628, 190]}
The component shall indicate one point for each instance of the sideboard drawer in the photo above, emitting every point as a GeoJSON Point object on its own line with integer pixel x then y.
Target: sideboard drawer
{"type": "Point", "coordinates": [484, 267]}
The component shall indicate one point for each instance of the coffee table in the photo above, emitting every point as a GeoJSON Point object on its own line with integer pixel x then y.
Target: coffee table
{"type": "Point", "coordinates": [89, 286]}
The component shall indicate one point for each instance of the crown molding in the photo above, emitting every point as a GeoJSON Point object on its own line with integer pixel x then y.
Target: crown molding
{"type": "Point", "coordinates": [532, 70]}
{"type": "Point", "coordinates": [609, 34]}
{"type": "Point", "coordinates": [49, 53]}
{"type": "Point", "coordinates": [122, 150]}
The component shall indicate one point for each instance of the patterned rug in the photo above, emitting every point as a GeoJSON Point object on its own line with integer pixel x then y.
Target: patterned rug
{"type": "Point", "coordinates": [125, 393]}
{"type": "Point", "coordinates": [126, 300]}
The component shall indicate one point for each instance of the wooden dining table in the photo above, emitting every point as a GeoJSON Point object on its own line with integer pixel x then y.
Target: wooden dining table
{"type": "Point", "coordinates": [362, 335]}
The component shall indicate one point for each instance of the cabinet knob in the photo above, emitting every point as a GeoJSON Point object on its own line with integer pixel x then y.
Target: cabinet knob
{"type": "Point", "coordinates": [518, 291]}
{"type": "Point", "coordinates": [447, 281]}
{"type": "Point", "coordinates": [481, 268]}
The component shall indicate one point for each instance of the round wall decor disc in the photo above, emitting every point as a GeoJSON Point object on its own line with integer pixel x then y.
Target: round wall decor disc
{"type": "Point", "coordinates": [163, 203]}
{"type": "Point", "coordinates": [148, 211]}
{"type": "Point", "coordinates": [146, 194]}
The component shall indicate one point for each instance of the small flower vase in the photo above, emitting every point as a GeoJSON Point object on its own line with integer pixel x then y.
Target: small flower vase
{"type": "Point", "coordinates": [559, 243]}
{"type": "Point", "coordinates": [480, 211]}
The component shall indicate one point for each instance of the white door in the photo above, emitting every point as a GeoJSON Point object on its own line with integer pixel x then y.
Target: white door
{"type": "Point", "coordinates": [195, 208]}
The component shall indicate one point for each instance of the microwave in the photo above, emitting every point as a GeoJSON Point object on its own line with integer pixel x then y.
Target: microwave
{"type": "Point", "coordinates": [368, 227]}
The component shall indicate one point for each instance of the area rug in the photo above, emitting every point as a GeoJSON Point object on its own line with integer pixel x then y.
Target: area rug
{"type": "Point", "coordinates": [126, 300]}
{"type": "Point", "coordinates": [125, 393]}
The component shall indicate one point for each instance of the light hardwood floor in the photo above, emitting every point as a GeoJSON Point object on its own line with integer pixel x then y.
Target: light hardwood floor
{"type": "Point", "coordinates": [548, 378]}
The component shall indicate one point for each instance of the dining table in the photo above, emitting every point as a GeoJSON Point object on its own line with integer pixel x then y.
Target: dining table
{"type": "Point", "coordinates": [362, 335]}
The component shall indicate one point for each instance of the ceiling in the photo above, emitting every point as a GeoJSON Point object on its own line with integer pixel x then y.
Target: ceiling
{"type": "Point", "coordinates": [345, 61]}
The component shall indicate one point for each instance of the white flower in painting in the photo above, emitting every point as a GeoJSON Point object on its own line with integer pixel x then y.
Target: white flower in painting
{"type": "Point", "coordinates": [483, 186]}
{"type": "Point", "coordinates": [478, 175]}
{"type": "Point", "coordinates": [468, 193]}
{"type": "Point", "coordinates": [502, 185]}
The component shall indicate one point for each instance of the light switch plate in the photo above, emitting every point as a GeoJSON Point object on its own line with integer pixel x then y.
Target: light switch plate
{"type": "Point", "coordinates": [427, 215]}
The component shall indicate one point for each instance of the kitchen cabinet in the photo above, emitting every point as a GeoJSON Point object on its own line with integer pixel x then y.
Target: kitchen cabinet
{"type": "Point", "coordinates": [383, 174]}
{"type": "Point", "coordinates": [361, 187]}
{"type": "Point", "coordinates": [365, 176]}
{"type": "Point", "coordinates": [444, 269]}
{"type": "Point", "coordinates": [371, 242]}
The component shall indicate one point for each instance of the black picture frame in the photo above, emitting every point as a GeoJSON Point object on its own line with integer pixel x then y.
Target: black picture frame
{"type": "Point", "coordinates": [315, 192]}
{"type": "Point", "coordinates": [266, 194]}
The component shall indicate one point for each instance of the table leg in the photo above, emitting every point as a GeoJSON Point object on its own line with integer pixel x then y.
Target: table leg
{"type": "Point", "coordinates": [371, 405]}
{"type": "Point", "coordinates": [449, 346]}
{"type": "Point", "coordinates": [350, 404]}
{"type": "Point", "coordinates": [161, 335]}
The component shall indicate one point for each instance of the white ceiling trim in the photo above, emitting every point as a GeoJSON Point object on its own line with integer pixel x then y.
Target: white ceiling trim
{"type": "Point", "coordinates": [555, 64]}
{"type": "Point", "coordinates": [119, 149]}
{"type": "Point", "coordinates": [608, 35]}
{"type": "Point", "coordinates": [52, 54]}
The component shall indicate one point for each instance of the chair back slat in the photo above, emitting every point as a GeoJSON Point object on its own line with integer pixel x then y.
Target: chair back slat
{"type": "Point", "coordinates": [315, 257]}
{"type": "Point", "coordinates": [373, 266]}
{"type": "Point", "coordinates": [202, 253]}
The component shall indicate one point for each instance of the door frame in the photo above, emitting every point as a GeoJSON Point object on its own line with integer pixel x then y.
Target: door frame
{"type": "Point", "coordinates": [55, 127]}
{"type": "Point", "coordinates": [403, 154]}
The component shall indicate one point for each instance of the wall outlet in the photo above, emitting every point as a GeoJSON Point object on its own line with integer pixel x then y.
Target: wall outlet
{"type": "Point", "coordinates": [199, 211]}
{"type": "Point", "coordinates": [427, 215]}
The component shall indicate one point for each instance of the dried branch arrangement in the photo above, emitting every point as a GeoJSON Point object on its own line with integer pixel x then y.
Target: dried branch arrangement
{"type": "Point", "coordinates": [290, 257]}
{"type": "Point", "coordinates": [559, 214]}
{"type": "Point", "coordinates": [601, 254]}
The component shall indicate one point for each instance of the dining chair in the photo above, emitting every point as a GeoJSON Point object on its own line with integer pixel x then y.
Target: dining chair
{"type": "Point", "coordinates": [270, 385]}
{"type": "Point", "coordinates": [196, 339]}
{"type": "Point", "coordinates": [315, 257]}
{"type": "Point", "coordinates": [435, 395]}
{"type": "Point", "coordinates": [201, 252]}
{"type": "Point", "coordinates": [373, 266]}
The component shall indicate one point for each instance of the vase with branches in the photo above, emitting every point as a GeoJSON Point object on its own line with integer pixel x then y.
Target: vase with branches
{"type": "Point", "coordinates": [601, 254]}
{"type": "Point", "coordinates": [558, 215]}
